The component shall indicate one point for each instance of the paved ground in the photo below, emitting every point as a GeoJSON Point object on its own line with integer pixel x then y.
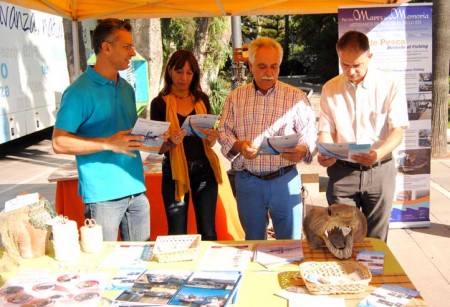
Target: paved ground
{"type": "Point", "coordinates": [424, 253]}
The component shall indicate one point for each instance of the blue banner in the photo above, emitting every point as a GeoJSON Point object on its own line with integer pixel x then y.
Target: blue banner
{"type": "Point", "coordinates": [401, 43]}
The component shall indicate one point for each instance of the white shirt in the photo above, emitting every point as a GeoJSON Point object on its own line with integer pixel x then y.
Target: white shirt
{"type": "Point", "coordinates": [363, 113]}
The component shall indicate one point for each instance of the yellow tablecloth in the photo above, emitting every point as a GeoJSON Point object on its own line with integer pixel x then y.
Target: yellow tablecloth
{"type": "Point", "coordinates": [258, 285]}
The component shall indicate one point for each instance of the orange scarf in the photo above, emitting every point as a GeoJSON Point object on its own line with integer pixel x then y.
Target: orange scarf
{"type": "Point", "coordinates": [177, 158]}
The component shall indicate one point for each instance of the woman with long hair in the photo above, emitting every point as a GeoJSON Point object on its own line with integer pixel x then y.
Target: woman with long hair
{"type": "Point", "coordinates": [190, 167]}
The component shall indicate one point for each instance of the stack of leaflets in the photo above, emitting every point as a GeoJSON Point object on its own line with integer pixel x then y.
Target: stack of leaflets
{"type": "Point", "coordinates": [389, 295]}
{"type": "Point", "coordinates": [234, 257]}
{"type": "Point", "coordinates": [152, 130]}
{"type": "Point", "coordinates": [129, 256]}
{"type": "Point", "coordinates": [199, 288]}
{"type": "Point", "coordinates": [272, 254]}
{"type": "Point", "coordinates": [373, 260]}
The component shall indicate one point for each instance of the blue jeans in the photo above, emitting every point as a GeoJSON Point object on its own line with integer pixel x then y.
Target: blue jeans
{"type": "Point", "coordinates": [130, 215]}
{"type": "Point", "coordinates": [280, 196]}
{"type": "Point", "coordinates": [204, 190]}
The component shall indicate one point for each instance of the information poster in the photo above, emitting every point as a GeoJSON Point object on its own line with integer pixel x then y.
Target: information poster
{"type": "Point", "coordinates": [401, 42]}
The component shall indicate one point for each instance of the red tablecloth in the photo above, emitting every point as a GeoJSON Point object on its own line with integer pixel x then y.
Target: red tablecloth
{"type": "Point", "coordinates": [228, 227]}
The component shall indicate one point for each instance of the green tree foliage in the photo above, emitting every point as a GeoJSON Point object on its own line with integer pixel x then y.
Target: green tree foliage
{"type": "Point", "coordinates": [271, 26]}
{"type": "Point", "coordinates": [317, 34]}
{"type": "Point", "coordinates": [177, 33]}
{"type": "Point", "coordinates": [220, 88]}
{"type": "Point", "coordinates": [218, 51]}
{"type": "Point", "coordinates": [309, 45]}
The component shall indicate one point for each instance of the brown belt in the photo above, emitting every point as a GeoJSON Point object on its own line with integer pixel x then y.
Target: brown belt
{"type": "Point", "coordinates": [280, 172]}
{"type": "Point", "coordinates": [363, 167]}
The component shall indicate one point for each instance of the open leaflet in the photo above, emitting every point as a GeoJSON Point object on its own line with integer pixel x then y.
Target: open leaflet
{"type": "Point", "coordinates": [194, 123]}
{"type": "Point", "coordinates": [276, 144]}
{"type": "Point", "coordinates": [152, 130]}
{"type": "Point", "coordinates": [342, 151]}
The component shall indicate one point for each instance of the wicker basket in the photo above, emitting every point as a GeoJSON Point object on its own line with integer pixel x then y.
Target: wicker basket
{"type": "Point", "coordinates": [335, 277]}
{"type": "Point", "coordinates": [176, 248]}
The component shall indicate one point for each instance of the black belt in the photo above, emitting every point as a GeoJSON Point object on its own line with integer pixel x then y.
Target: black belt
{"type": "Point", "coordinates": [129, 196]}
{"type": "Point", "coordinates": [280, 172]}
{"type": "Point", "coordinates": [196, 163]}
{"type": "Point", "coordinates": [361, 167]}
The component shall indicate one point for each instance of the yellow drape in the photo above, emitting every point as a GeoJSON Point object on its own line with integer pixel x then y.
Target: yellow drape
{"type": "Point", "coordinates": [177, 158]}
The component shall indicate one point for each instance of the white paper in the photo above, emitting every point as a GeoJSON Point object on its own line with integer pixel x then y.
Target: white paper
{"type": "Point", "coordinates": [278, 253]}
{"type": "Point", "coordinates": [389, 295]}
{"type": "Point", "coordinates": [127, 256]}
{"type": "Point", "coordinates": [194, 123]}
{"type": "Point", "coordinates": [226, 257]}
{"type": "Point", "coordinates": [308, 300]}
{"type": "Point", "coordinates": [276, 144]}
{"type": "Point", "coordinates": [21, 201]}
{"type": "Point", "coordinates": [342, 151]}
{"type": "Point", "coordinates": [152, 130]}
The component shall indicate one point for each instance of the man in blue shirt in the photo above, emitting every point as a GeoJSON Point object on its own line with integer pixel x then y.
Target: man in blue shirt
{"type": "Point", "coordinates": [97, 113]}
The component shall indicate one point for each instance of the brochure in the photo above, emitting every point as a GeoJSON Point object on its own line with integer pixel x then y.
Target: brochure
{"type": "Point", "coordinates": [152, 130]}
{"type": "Point", "coordinates": [278, 253]}
{"type": "Point", "coordinates": [204, 288]}
{"type": "Point", "coordinates": [373, 260]}
{"type": "Point", "coordinates": [171, 287]}
{"type": "Point", "coordinates": [276, 144]}
{"type": "Point", "coordinates": [129, 256]}
{"type": "Point", "coordinates": [389, 295]}
{"type": "Point", "coordinates": [194, 123]}
{"type": "Point", "coordinates": [124, 279]}
{"type": "Point", "coordinates": [235, 257]}
{"type": "Point", "coordinates": [342, 151]}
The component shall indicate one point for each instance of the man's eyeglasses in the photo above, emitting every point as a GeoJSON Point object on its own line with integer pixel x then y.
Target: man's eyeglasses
{"type": "Point", "coordinates": [127, 47]}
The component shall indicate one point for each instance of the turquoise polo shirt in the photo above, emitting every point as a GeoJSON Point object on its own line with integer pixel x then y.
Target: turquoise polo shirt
{"type": "Point", "coordinates": [93, 106]}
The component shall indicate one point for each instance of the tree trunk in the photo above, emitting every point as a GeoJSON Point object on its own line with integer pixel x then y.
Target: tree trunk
{"type": "Point", "coordinates": [441, 57]}
{"type": "Point", "coordinates": [213, 71]}
{"type": "Point", "coordinates": [201, 41]}
{"type": "Point", "coordinates": [287, 38]}
{"type": "Point", "coordinates": [67, 25]}
{"type": "Point", "coordinates": [148, 42]}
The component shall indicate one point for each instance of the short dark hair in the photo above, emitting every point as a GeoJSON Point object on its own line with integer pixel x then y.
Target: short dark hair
{"type": "Point", "coordinates": [177, 60]}
{"type": "Point", "coordinates": [105, 29]}
{"type": "Point", "coordinates": [353, 39]}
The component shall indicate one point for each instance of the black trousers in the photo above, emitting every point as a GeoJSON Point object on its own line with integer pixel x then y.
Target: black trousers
{"type": "Point", "coordinates": [204, 189]}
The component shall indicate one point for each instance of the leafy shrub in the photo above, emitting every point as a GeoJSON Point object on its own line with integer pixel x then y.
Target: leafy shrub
{"type": "Point", "coordinates": [219, 88]}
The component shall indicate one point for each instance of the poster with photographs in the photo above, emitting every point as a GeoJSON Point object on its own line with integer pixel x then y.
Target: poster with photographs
{"type": "Point", "coordinates": [185, 288]}
{"type": "Point", "coordinates": [66, 289]}
{"type": "Point", "coordinates": [400, 41]}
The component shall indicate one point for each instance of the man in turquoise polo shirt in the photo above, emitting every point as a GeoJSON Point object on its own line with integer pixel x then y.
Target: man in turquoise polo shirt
{"type": "Point", "coordinates": [97, 113]}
